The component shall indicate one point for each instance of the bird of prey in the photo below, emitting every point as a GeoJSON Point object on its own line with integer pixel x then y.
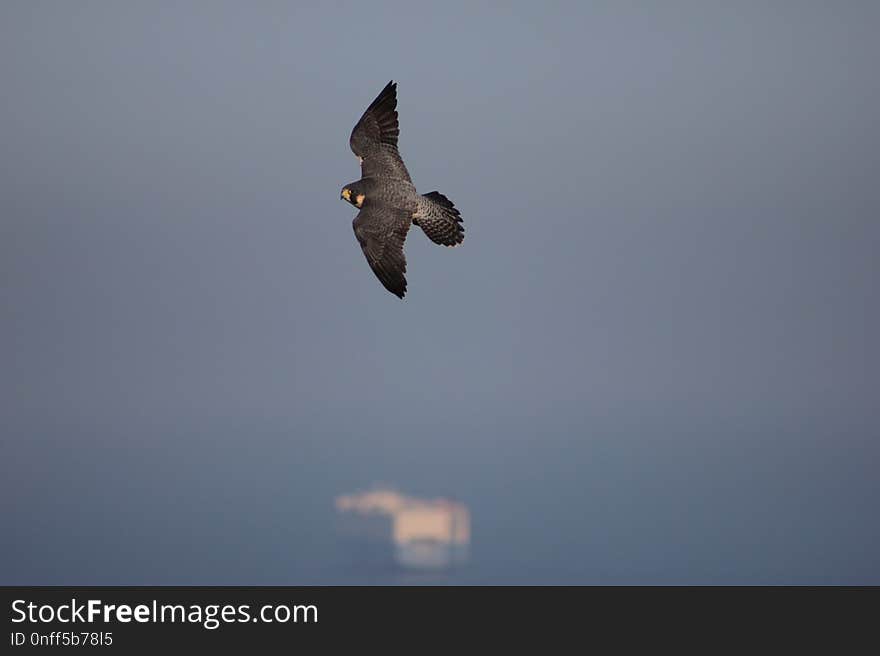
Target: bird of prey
{"type": "Point", "coordinates": [388, 200]}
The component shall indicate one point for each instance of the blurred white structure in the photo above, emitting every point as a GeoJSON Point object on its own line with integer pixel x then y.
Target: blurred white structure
{"type": "Point", "coordinates": [418, 533]}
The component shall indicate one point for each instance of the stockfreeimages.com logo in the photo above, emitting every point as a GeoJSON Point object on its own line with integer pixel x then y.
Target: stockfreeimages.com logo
{"type": "Point", "coordinates": [210, 616]}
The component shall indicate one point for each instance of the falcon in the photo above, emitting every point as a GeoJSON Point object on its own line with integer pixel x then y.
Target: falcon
{"type": "Point", "coordinates": [388, 200]}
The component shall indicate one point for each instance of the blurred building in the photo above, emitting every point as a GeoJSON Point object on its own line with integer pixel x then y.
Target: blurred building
{"type": "Point", "coordinates": [387, 528]}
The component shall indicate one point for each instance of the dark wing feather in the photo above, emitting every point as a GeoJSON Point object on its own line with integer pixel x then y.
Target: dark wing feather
{"type": "Point", "coordinates": [381, 232]}
{"type": "Point", "coordinates": [374, 138]}
{"type": "Point", "coordinates": [378, 125]}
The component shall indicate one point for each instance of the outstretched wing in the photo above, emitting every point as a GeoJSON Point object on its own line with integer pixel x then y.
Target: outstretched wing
{"type": "Point", "coordinates": [381, 232]}
{"type": "Point", "coordinates": [374, 138]}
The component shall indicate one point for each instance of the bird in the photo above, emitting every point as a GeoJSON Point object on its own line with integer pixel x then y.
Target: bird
{"type": "Point", "coordinates": [387, 198]}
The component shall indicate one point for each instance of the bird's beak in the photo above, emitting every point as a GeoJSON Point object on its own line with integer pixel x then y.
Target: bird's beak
{"type": "Point", "coordinates": [345, 195]}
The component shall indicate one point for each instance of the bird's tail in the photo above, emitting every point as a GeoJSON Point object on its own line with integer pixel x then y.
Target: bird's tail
{"type": "Point", "coordinates": [440, 220]}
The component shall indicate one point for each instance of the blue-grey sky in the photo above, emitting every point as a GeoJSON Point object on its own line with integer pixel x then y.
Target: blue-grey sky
{"type": "Point", "coordinates": [654, 359]}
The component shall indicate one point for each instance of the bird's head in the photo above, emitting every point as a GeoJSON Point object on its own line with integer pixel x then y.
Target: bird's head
{"type": "Point", "coordinates": [352, 196]}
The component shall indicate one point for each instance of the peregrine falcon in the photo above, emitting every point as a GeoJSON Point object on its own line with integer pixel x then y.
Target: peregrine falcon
{"type": "Point", "coordinates": [388, 200]}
